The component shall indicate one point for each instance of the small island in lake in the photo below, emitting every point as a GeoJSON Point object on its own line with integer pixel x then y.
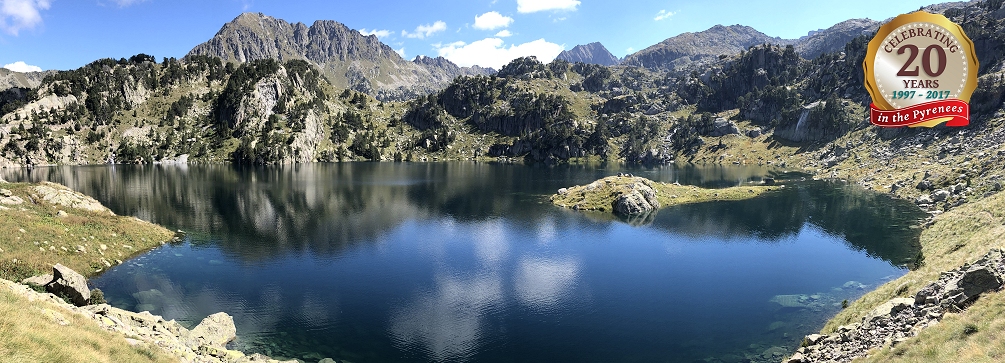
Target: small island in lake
{"type": "Point", "coordinates": [631, 195]}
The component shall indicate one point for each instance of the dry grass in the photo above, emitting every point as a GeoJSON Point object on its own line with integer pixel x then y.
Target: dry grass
{"type": "Point", "coordinates": [48, 239]}
{"type": "Point", "coordinates": [601, 194]}
{"type": "Point", "coordinates": [31, 332]}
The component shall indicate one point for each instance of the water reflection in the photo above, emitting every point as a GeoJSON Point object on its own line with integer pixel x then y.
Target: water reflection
{"type": "Point", "coordinates": [447, 323]}
{"type": "Point", "coordinates": [869, 222]}
{"type": "Point", "coordinates": [469, 262]}
{"type": "Point", "coordinates": [541, 283]}
{"type": "Point", "coordinates": [490, 241]}
{"type": "Point", "coordinates": [324, 208]}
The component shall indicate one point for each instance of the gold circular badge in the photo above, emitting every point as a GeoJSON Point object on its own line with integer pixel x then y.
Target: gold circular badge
{"type": "Point", "coordinates": [915, 62]}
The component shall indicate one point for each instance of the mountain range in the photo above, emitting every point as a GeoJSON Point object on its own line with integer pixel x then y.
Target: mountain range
{"type": "Point", "coordinates": [346, 57]}
{"type": "Point", "coordinates": [267, 91]}
{"type": "Point", "coordinates": [363, 63]}
{"type": "Point", "coordinates": [12, 79]}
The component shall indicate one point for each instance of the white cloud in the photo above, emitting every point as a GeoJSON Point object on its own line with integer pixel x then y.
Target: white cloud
{"type": "Point", "coordinates": [630, 49]}
{"type": "Point", "coordinates": [504, 33]}
{"type": "Point", "coordinates": [400, 51]}
{"type": "Point", "coordinates": [492, 20]}
{"type": "Point", "coordinates": [663, 14]}
{"type": "Point", "coordinates": [379, 33]}
{"type": "Point", "coordinates": [533, 6]}
{"type": "Point", "coordinates": [20, 66]}
{"type": "Point", "coordinates": [21, 14]}
{"type": "Point", "coordinates": [125, 3]}
{"type": "Point", "coordinates": [492, 52]}
{"type": "Point", "coordinates": [425, 30]}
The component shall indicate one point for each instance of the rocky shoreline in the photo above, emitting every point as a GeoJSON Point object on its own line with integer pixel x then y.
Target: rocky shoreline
{"type": "Point", "coordinates": [205, 343]}
{"type": "Point", "coordinates": [899, 319]}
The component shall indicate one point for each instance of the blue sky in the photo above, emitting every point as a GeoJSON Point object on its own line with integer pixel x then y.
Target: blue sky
{"type": "Point", "coordinates": [67, 34]}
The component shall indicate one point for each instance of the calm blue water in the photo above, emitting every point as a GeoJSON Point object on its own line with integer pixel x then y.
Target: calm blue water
{"type": "Point", "coordinates": [465, 262]}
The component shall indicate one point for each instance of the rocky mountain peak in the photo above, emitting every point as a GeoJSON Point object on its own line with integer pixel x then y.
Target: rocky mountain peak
{"type": "Point", "coordinates": [687, 48]}
{"type": "Point", "coordinates": [346, 57]}
{"type": "Point", "coordinates": [594, 53]}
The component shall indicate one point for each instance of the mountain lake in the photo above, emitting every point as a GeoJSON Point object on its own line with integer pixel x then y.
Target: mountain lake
{"type": "Point", "coordinates": [470, 262]}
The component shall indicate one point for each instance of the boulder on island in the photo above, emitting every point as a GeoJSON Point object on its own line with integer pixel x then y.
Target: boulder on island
{"type": "Point", "coordinates": [641, 198]}
{"type": "Point", "coordinates": [70, 284]}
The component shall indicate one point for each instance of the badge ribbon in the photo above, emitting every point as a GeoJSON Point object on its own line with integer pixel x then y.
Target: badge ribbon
{"type": "Point", "coordinates": [953, 112]}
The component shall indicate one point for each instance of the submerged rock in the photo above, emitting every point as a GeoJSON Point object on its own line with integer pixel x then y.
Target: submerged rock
{"type": "Point", "coordinates": [790, 301]}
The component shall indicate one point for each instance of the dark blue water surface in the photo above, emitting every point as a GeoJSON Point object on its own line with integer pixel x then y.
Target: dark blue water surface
{"type": "Point", "coordinates": [466, 262]}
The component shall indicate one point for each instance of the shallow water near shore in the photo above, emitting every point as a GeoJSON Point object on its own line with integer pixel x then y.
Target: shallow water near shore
{"type": "Point", "coordinates": [466, 262]}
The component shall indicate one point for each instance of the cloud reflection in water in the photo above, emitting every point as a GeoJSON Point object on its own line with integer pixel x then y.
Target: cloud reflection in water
{"type": "Point", "coordinates": [447, 323]}
{"type": "Point", "coordinates": [454, 318]}
{"type": "Point", "coordinates": [542, 283]}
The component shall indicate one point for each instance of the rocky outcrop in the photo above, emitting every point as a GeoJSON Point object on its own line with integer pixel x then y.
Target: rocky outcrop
{"type": "Point", "coordinates": [833, 39]}
{"type": "Point", "coordinates": [639, 199]}
{"type": "Point", "coordinates": [60, 195]}
{"type": "Point", "coordinates": [40, 280]}
{"type": "Point", "coordinates": [305, 143]}
{"type": "Point", "coordinates": [70, 284]}
{"type": "Point", "coordinates": [902, 318]}
{"type": "Point", "coordinates": [593, 53]}
{"type": "Point", "coordinates": [8, 197]}
{"type": "Point", "coordinates": [203, 344]}
{"type": "Point", "coordinates": [449, 67]}
{"type": "Point", "coordinates": [43, 104]}
{"type": "Point", "coordinates": [723, 127]}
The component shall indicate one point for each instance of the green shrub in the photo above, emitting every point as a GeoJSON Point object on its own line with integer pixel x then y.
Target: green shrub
{"type": "Point", "coordinates": [97, 297]}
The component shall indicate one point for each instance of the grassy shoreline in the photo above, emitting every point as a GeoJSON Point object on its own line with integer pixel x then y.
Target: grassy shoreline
{"type": "Point", "coordinates": [88, 238]}
{"type": "Point", "coordinates": [46, 224]}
